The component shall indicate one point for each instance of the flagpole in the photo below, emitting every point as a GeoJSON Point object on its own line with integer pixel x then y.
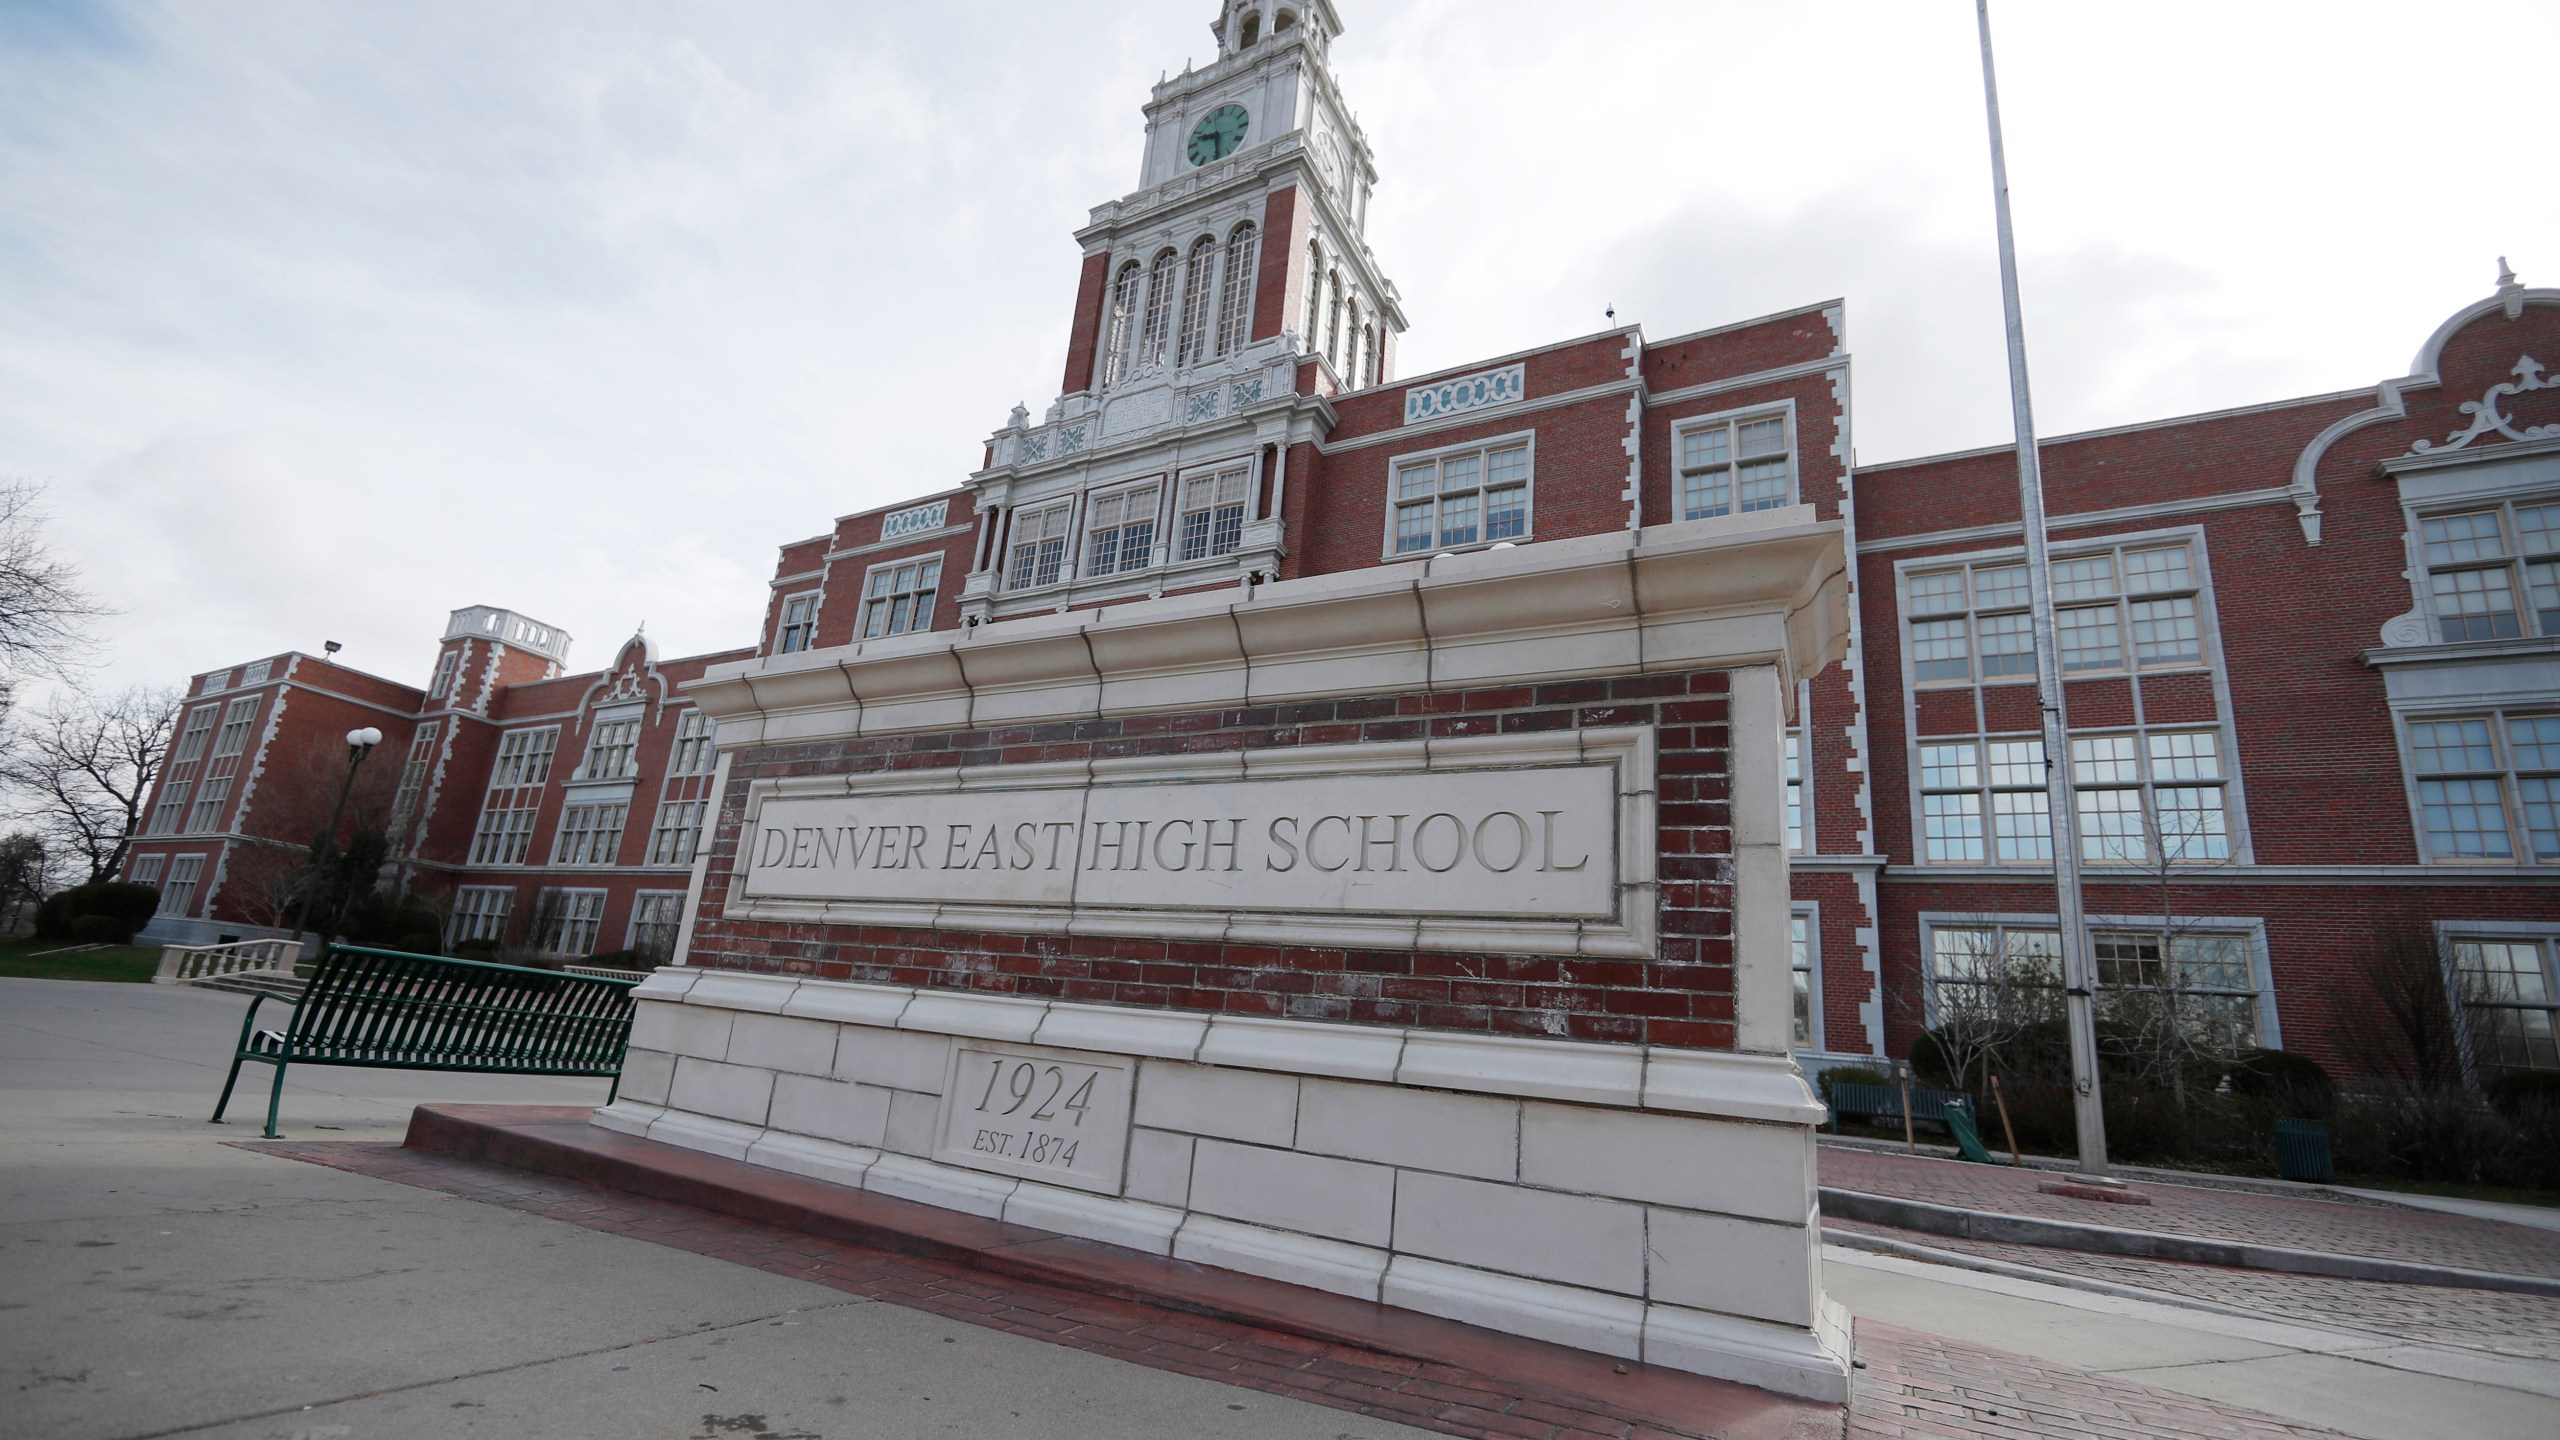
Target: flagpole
{"type": "Point", "coordinates": [2087, 1107]}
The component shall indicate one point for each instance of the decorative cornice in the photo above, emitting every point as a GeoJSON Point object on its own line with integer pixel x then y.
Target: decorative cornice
{"type": "Point", "coordinates": [1767, 588]}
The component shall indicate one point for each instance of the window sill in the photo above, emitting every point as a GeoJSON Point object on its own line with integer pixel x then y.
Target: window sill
{"type": "Point", "coordinates": [1431, 552]}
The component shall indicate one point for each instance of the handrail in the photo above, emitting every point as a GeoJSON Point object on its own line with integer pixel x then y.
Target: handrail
{"type": "Point", "coordinates": [185, 964]}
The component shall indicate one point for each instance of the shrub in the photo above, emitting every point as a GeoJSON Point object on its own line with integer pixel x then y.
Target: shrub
{"type": "Point", "coordinates": [2292, 1083]}
{"type": "Point", "coordinates": [127, 906]}
{"type": "Point", "coordinates": [1849, 1075]}
{"type": "Point", "coordinates": [487, 950]}
{"type": "Point", "coordinates": [622, 960]}
{"type": "Point", "coordinates": [2517, 1090]}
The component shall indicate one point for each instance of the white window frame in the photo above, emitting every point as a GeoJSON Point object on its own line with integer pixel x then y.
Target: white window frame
{"type": "Point", "coordinates": [2543, 935]}
{"type": "Point", "coordinates": [178, 892]}
{"type": "Point", "coordinates": [1804, 917]}
{"type": "Point", "coordinates": [2029, 789]}
{"type": "Point", "coordinates": [446, 664]}
{"type": "Point", "coordinates": [1441, 455]}
{"type": "Point", "coordinates": [413, 779]}
{"type": "Point", "coordinates": [590, 833]}
{"type": "Point", "coordinates": [205, 817]}
{"type": "Point", "coordinates": [795, 625]}
{"type": "Point", "coordinates": [2512, 779]}
{"type": "Point", "coordinates": [146, 869]}
{"type": "Point", "coordinates": [518, 779]}
{"type": "Point", "coordinates": [2252, 930]}
{"type": "Point", "coordinates": [1121, 304]}
{"type": "Point", "coordinates": [1731, 422]}
{"type": "Point", "coordinates": [695, 749]}
{"type": "Point", "coordinates": [570, 921]}
{"type": "Point", "coordinates": [1154, 519]}
{"type": "Point", "coordinates": [613, 746]}
{"type": "Point", "coordinates": [1023, 559]}
{"type": "Point", "coordinates": [480, 912]}
{"type": "Point", "coordinates": [1216, 542]}
{"type": "Point", "coordinates": [675, 832]}
{"type": "Point", "coordinates": [670, 907]}
{"type": "Point", "coordinates": [885, 573]}
{"type": "Point", "coordinates": [2198, 592]}
{"type": "Point", "coordinates": [1239, 256]}
{"type": "Point", "coordinates": [2518, 562]}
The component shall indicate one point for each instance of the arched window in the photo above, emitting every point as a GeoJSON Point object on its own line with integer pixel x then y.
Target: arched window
{"type": "Point", "coordinates": [1235, 307]}
{"type": "Point", "coordinates": [1333, 319]}
{"type": "Point", "coordinates": [1117, 326]}
{"type": "Point", "coordinates": [1369, 354]}
{"type": "Point", "coordinates": [1351, 345]}
{"type": "Point", "coordinates": [1287, 19]}
{"type": "Point", "coordinates": [1159, 314]}
{"type": "Point", "coordinates": [1199, 301]}
{"type": "Point", "coordinates": [1252, 31]}
{"type": "Point", "coordinates": [1315, 297]}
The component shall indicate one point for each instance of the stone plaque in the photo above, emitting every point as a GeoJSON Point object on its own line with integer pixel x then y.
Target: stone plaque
{"type": "Point", "coordinates": [1058, 1116]}
{"type": "Point", "coordinates": [1396, 842]}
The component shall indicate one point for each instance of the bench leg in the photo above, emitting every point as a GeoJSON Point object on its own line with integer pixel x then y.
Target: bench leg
{"type": "Point", "coordinates": [616, 1092]}
{"type": "Point", "coordinates": [227, 1082]}
{"type": "Point", "coordinates": [275, 1100]}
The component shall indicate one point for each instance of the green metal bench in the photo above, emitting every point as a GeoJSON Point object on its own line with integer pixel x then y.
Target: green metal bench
{"type": "Point", "coordinates": [386, 1010]}
{"type": "Point", "coordinates": [1882, 1104]}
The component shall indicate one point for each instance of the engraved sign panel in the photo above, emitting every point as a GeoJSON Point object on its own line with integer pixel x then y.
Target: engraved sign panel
{"type": "Point", "coordinates": [1530, 841]}
{"type": "Point", "coordinates": [1059, 1116]}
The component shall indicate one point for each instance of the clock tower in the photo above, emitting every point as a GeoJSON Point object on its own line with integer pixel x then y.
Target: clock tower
{"type": "Point", "coordinates": [1221, 304]}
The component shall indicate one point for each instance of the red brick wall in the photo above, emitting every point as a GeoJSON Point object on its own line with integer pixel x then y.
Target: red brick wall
{"type": "Point", "coordinates": [1086, 330]}
{"type": "Point", "coordinates": [1684, 997]}
{"type": "Point", "coordinates": [1283, 238]}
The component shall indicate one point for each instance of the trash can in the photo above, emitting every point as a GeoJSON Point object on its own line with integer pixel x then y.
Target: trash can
{"type": "Point", "coordinates": [2302, 1151]}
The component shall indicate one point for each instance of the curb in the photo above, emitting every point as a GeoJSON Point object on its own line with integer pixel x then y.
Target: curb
{"type": "Point", "coordinates": [2154, 1245]}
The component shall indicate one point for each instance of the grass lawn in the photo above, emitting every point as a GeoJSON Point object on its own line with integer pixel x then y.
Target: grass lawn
{"type": "Point", "coordinates": [19, 959]}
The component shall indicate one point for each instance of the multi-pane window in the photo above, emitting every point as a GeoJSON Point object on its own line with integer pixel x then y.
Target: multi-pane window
{"type": "Point", "coordinates": [1731, 465]}
{"type": "Point", "coordinates": [2132, 608]}
{"type": "Point", "coordinates": [799, 626]}
{"type": "Point", "coordinates": [566, 921]}
{"type": "Point", "coordinates": [2138, 798]}
{"type": "Point", "coordinates": [446, 664]}
{"type": "Point", "coordinates": [671, 838]}
{"type": "Point", "coordinates": [1153, 331]}
{"type": "Point", "coordinates": [516, 781]}
{"type": "Point", "coordinates": [656, 918]}
{"type": "Point", "coordinates": [184, 759]}
{"type": "Point", "coordinates": [1039, 548]}
{"type": "Point", "coordinates": [178, 894]}
{"type": "Point", "coordinates": [898, 598]}
{"type": "Point", "coordinates": [590, 834]}
{"type": "Point", "coordinates": [2494, 574]}
{"type": "Point", "coordinates": [1123, 324]}
{"type": "Point", "coordinates": [1121, 533]}
{"type": "Point", "coordinates": [209, 798]}
{"type": "Point", "coordinates": [1795, 790]}
{"type": "Point", "coordinates": [1235, 304]}
{"type": "Point", "coordinates": [2208, 978]}
{"type": "Point", "coordinates": [2511, 1004]}
{"type": "Point", "coordinates": [1199, 301]}
{"type": "Point", "coordinates": [612, 748]}
{"type": "Point", "coordinates": [145, 869]}
{"type": "Point", "coordinates": [239, 721]}
{"type": "Point", "coordinates": [1800, 956]}
{"type": "Point", "coordinates": [693, 753]}
{"type": "Point", "coordinates": [480, 913]}
{"type": "Point", "coordinates": [1465, 497]}
{"type": "Point", "coordinates": [1210, 520]}
{"type": "Point", "coordinates": [413, 780]}
{"type": "Point", "coordinates": [2488, 786]}
{"type": "Point", "coordinates": [1333, 321]}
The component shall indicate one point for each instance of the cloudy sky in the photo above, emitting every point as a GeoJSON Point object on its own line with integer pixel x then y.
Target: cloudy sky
{"type": "Point", "coordinates": [319, 320]}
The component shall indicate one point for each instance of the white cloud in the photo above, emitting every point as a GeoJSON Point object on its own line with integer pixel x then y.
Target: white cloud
{"type": "Point", "coordinates": [323, 320]}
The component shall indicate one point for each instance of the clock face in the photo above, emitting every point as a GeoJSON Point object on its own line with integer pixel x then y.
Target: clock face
{"type": "Point", "coordinates": [1219, 133]}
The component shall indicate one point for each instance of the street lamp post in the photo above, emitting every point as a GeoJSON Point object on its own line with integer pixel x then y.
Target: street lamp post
{"type": "Point", "coordinates": [360, 743]}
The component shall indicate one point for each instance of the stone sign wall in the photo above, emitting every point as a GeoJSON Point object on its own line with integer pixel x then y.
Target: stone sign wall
{"type": "Point", "coordinates": [1417, 935]}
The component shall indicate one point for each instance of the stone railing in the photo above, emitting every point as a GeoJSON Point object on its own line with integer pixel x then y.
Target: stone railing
{"type": "Point", "coordinates": [605, 972]}
{"type": "Point", "coordinates": [180, 964]}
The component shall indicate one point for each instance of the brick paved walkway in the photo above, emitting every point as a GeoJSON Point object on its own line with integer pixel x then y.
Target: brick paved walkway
{"type": "Point", "coordinates": [2525, 1325]}
{"type": "Point", "coordinates": [1914, 1386]}
{"type": "Point", "coordinates": [2388, 1232]}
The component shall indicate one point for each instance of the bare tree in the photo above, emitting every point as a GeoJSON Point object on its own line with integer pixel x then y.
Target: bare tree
{"type": "Point", "coordinates": [42, 606]}
{"type": "Point", "coordinates": [2402, 971]}
{"type": "Point", "coordinates": [1990, 997]}
{"type": "Point", "coordinates": [79, 770]}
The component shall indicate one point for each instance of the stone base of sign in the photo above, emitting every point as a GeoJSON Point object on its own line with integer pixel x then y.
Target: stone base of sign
{"type": "Point", "coordinates": [1644, 1202]}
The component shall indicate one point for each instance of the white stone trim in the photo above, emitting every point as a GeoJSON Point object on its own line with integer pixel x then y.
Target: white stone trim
{"type": "Point", "coordinates": [1766, 588]}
